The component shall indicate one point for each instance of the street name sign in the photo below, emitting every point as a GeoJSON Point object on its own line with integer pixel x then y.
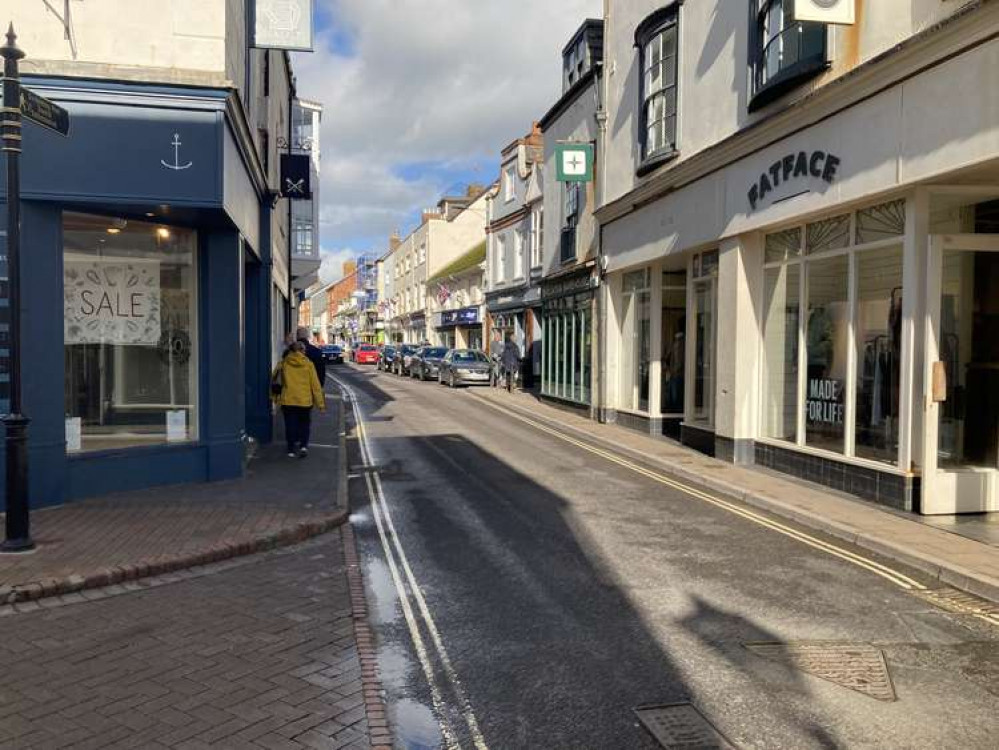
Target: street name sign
{"type": "Point", "coordinates": [574, 162]}
{"type": "Point", "coordinates": [43, 112]}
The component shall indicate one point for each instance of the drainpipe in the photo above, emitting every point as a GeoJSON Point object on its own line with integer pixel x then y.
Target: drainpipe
{"type": "Point", "coordinates": [598, 410]}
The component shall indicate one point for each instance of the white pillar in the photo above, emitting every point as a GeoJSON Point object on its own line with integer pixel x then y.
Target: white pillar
{"type": "Point", "coordinates": [740, 275]}
{"type": "Point", "coordinates": [656, 346]}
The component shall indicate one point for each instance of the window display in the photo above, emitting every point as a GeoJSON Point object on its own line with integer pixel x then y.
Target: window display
{"type": "Point", "coordinates": [130, 336]}
{"type": "Point", "coordinates": [840, 293]}
{"type": "Point", "coordinates": [636, 341]}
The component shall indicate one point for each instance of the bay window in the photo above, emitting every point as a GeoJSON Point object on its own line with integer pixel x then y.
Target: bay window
{"type": "Point", "coordinates": [785, 52]}
{"type": "Point", "coordinates": [656, 38]}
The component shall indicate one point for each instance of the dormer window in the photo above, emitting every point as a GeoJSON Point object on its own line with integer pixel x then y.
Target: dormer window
{"type": "Point", "coordinates": [657, 41]}
{"type": "Point", "coordinates": [575, 63]}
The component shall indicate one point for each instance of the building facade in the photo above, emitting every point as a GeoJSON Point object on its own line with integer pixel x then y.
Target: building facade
{"type": "Point", "coordinates": [568, 242]}
{"type": "Point", "coordinates": [456, 300]}
{"type": "Point", "coordinates": [799, 249]}
{"type": "Point", "coordinates": [513, 296]}
{"type": "Point", "coordinates": [165, 184]}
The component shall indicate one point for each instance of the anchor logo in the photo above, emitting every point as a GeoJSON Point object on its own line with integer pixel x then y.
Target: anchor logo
{"type": "Point", "coordinates": [176, 166]}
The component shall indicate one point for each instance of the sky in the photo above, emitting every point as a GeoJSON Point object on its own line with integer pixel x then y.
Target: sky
{"type": "Point", "coordinates": [419, 98]}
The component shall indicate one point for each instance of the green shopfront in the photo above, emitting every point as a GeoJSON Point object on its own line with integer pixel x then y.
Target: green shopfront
{"type": "Point", "coordinates": [567, 317]}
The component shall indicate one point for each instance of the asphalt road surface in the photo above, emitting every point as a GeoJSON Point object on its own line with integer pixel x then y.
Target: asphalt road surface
{"type": "Point", "coordinates": [529, 592]}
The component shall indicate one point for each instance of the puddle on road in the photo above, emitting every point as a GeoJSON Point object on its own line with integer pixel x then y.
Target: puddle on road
{"type": "Point", "coordinates": [415, 726]}
{"type": "Point", "coordinates": [384, 608]}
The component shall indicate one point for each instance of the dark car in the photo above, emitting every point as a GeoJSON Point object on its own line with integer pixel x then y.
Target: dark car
{"type": "Point", "coordinates": [427, 362]}
{"type": "Point", "coordinates": [404, 353]}
{"type": "Point", "coordinates": [332, 353]}
{"type": "Point", "coordinates": [464, 367]}
{"type": "Point", "coordinates": [386, 358]}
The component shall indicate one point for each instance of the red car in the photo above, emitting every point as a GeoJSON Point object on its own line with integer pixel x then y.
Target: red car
{"type": "Point", "coordinates": [367, 355]}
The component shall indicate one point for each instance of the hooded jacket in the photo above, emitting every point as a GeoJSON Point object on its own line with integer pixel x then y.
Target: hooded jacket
{"type": "Point", "coordinates": [301, 384]}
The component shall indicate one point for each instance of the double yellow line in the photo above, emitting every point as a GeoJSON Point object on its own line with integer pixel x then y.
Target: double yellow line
{"type": "Point", "coordinates": [890, 574]}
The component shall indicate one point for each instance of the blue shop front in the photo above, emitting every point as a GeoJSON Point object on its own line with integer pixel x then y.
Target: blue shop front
{"type": "Point", "coordinates": [146, 291]}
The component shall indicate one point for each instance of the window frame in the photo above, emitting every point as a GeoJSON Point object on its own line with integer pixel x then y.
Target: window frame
{"type": "Point", "coordinates": [509, 188]}
{"type": "Point", "coordinates": [787, 77]}
{"type": "Point", "coordinates": [798, 262]}
{"type": "Point", "coordinates": [667, 17]}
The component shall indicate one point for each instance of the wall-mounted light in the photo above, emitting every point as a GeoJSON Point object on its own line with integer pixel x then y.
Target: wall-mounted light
{"type": "Point", "coordinates": [163, 233]}
{"type": "Point", "coordinates": [114, 230]}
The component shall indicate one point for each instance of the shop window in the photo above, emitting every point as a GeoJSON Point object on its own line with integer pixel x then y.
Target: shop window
{"type": "Point", "coordinates": [879, 352]}
{"type": "Point", "coordinates": [568, 337]}
{"type": "Point", "coordinates": [784, 52]}
{"type": "Point", "coordinates": [636, 340]}
{"type": "Point", "coordinates": [826, 342]}
{"type": "Point", "coordinates": [842, 299]}
{"type": "Point", "coordinates": [131, 333]}
{"type": "Point", "coordinates": [881, 222]}
{"type": "Point", "coordinates": [567, 242]}
{"type": "Point", "coordinates": [705, 299]}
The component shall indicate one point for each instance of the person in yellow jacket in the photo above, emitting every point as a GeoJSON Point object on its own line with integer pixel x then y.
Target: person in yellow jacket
{"type": "Point", "coordinates": [295, 388]}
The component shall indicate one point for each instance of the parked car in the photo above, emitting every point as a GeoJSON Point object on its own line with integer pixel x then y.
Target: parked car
{"type": "Point", "coordinates": [386, 357]}
{"type": "Point", "coordinates": [366, 354]}
{"type": "Point", "coordinates": [464, 367]}
{"type": "Point", "coordinates": [403, 355]}
{"type": "Point", "coordinates": [332, 353]}
{"type": "Point", "coordinates": [427, 361]}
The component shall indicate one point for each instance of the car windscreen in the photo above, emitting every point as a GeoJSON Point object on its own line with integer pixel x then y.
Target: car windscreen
{"type": "Point", "coordinates": [407, 349]}
{"type": "Point", "coordinates": [436, 353]}
{"type": "Point", "coordinates": [469, 357]}
{"type": "Point", "coordinates": [368, 349]}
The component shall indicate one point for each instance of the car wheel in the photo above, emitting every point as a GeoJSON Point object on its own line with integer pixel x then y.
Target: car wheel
{"type": "Point", "coordinates": [451, 381]}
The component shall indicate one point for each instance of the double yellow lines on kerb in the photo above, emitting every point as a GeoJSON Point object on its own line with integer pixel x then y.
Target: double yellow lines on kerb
{"type": "Point", "coordinates": [890, 574]}
{"type": "Point", "coordinates": [414, 606]}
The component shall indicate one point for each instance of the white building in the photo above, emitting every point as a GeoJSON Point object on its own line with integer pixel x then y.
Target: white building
{"type": "Point", "coordinates": [827, 216]}
{"type": "Point", "coordinates": [513, 296]}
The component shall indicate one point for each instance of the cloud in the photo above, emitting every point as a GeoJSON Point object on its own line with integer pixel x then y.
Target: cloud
{"type": "Point", "coordinates": [331, 267]}
{"type": "Point", "coordinates": [421, 94]}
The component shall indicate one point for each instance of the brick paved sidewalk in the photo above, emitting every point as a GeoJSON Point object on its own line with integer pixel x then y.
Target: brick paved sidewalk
{"type": "Point", "coordinates": [125, 536]}
{"type": "Point", "coordinates": [960, 561]}
{"type": "Point", "coordinates": [261, 652]}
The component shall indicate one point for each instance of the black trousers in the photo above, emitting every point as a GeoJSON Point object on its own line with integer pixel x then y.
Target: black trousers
{"type": "Point", "coordinates": [297, 425]}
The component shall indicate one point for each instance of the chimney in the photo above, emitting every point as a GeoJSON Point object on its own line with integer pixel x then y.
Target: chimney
{"type": "Point", "coordinates": [535, 138]}
{"type": "Point", "coordinates": [475, 190]}
{"type": "Point", "coordinates": [431, 213]}
{"type": "Point", "coordinates": [395, 240]}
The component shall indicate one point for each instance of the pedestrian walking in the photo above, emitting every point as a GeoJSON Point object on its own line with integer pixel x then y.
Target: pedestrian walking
{"type": "Point", "coordinates": [313, 352]}
{"type": "Point", "coordinates": [511, 361]}
{"type": "Point", "coordinates": [496, 356]}
{"type": "Point", "coordinates": [295, 388]}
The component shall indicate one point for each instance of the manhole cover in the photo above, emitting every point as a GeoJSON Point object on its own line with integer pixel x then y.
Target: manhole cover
{"type": "Point", "coordinates": [680, 726]}
{"type": "Point", "coordinates": [961, 603]}
{"type": "Point", "coordinates": [857, 666]}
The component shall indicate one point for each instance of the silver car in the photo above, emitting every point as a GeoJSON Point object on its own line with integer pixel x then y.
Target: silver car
{"type": "Point", "coordinates": [464, 367]}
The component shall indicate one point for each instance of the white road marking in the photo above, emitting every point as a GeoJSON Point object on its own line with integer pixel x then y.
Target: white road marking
{"type": "Point", "coordinates": [390, 541]}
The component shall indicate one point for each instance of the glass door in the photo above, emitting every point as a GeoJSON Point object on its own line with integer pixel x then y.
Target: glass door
{"type": "Point", "coordinates": [961, 446]}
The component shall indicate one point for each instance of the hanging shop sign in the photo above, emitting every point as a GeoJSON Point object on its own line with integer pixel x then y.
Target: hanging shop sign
{"type": "Point", "coordinates": [825, 401]}
{"type": "Point", "coordinates": [574, 162]}
{"type": "Point", "coordinates": [826, 11]}
{"type": "Point", "coordinates": [295, 172]}
{"type": "Point", "coordinates": [794, 168]}
{"type": "Point", "coordinates": [283, 24]}
{"type": "Point", "coordinates": [465, 316]}
{"type": "Point", "coordinates": [112, 301]}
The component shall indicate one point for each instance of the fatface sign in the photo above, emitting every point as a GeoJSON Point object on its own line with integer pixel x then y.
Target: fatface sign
{"type": "Point", "coordinates": [112, 301]}
{"type": "Point", "coordinates": [283, 24]}
{"type": "Point", "coordinates": [802, 166]}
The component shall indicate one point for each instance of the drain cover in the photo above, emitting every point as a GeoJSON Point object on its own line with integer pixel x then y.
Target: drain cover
{"type": "Point", "coordinates": [961, 603]}
{"type": "Point", "coordinates": [857, 666]}
{"type": "Point", "coordinates": [680, 726]}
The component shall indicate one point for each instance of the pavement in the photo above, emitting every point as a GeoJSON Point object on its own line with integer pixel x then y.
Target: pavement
{"type": "Point", "coordinates": [532, 588]}
{"type": "Point", "coordinates": [224, 615]}
{"type": "Point", "coordinates": [130, 535]}
{"type": "Point", "coordinates": [959, 552]}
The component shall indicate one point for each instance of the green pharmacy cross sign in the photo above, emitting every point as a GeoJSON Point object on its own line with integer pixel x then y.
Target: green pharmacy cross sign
{"type": "Point", "coordinates": [574, 162]}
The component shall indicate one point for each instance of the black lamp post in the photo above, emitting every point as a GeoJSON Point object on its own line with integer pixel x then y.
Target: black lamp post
{"type": "Point", "coordinates": [18, 518]}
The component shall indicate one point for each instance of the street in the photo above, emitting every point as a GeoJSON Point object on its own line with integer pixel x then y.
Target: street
{"type": "Point", "coordinates": [530, 592]}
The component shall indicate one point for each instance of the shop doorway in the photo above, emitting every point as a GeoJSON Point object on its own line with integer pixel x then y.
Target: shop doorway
{"type": "Point", "coordinates": [961, 446]}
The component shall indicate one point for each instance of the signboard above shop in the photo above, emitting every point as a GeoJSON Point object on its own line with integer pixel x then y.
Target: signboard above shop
{"type": "Point", "coordinates": [283, 24]}
{"type": "Point", "coordinates": [295, 173]}
{"type": "Point", "coordinates": [826, 11]}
